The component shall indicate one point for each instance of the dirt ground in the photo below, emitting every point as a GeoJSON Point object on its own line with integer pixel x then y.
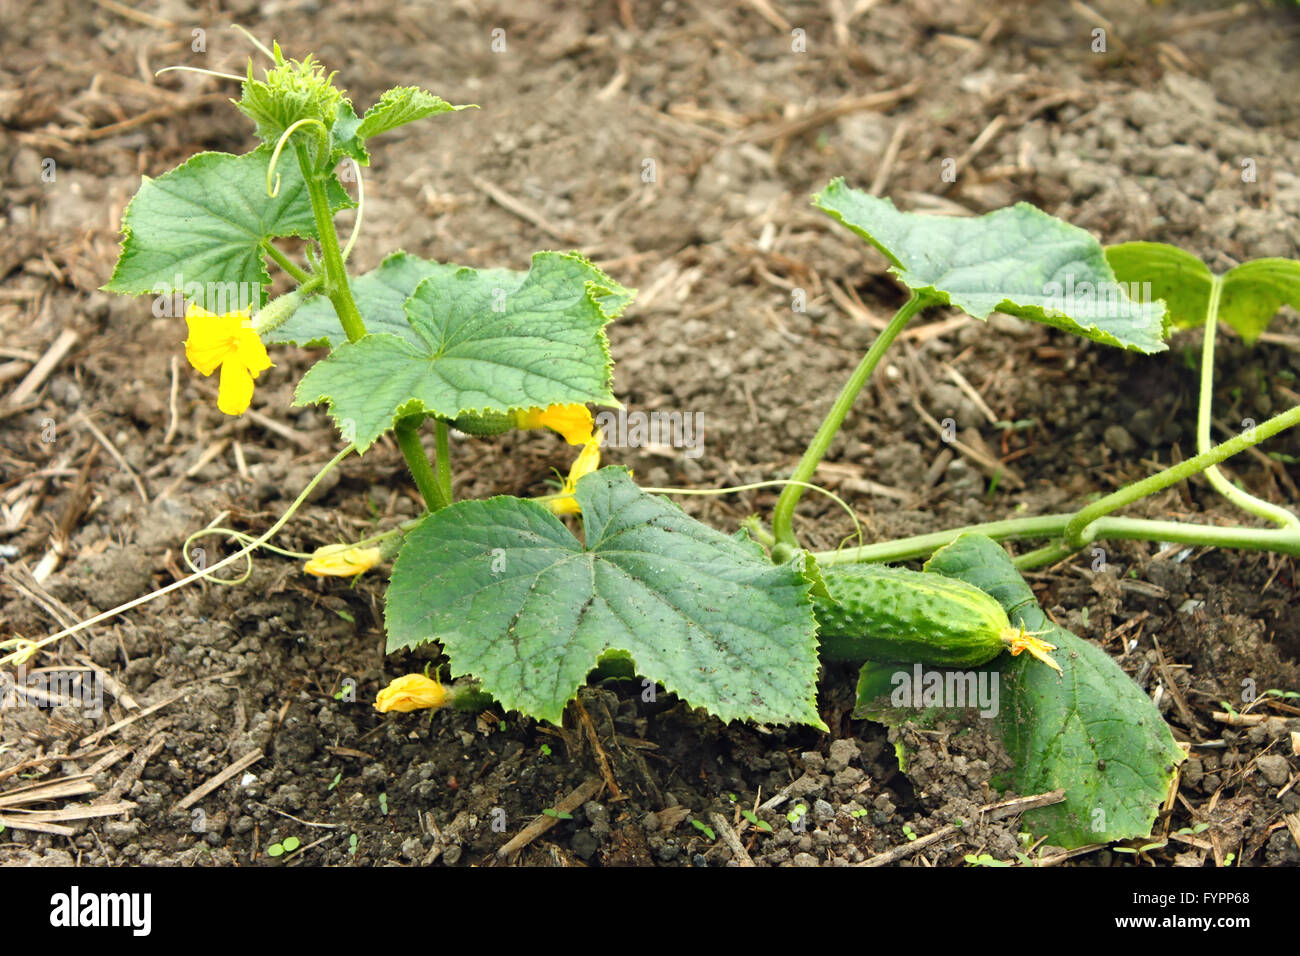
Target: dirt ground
{"type": "Point", "coordinates": [1143, 141]}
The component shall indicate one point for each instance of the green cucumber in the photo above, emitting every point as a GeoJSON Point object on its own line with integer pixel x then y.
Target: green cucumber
{"type": "Point", "coordinates": [880, 613]}
{"type": "Point", "coordinates": [484, 424]}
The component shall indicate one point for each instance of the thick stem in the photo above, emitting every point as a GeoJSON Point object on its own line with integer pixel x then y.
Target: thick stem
{"type": "Point", "coordinates": [1283, 540]}
{"type": "Point", "coordinates": [1242, 499]}
{"type": "Point", "coordinates": [924, 545]}
{"type": "Point", "coordinates": [442, 448]}
{"type": "Point", "coordinates": [336, 273]}
{"type": "Point", "coordinates": [783, 514]}
{"type": "Point", "coordinates": [1089, 524]}
{"type": "Point", "coordinates": [408, 439]}
{"type": "Point", "coordinates": [1075, 531]}
{"type": "Point", "coordinates": [340, 294]}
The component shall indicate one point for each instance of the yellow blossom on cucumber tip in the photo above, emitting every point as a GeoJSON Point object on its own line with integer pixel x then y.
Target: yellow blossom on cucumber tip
{"type": "Point", "coordinates": [341, 560]}
{"type": "Point", "coordinates": [1029, 641]}
{"type": "Point", "coordinates": [228, 342]}
{"type": "Point", "coordinates": [412, 692]}
{"type": "Point", "coordinates": [574, 422]}
{"type": "Point", "coordinates": [587, 461]}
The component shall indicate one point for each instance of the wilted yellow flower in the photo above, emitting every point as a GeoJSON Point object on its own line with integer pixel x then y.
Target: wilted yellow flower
{"type": "Point", "coordinates": [574, 422]}
{"type": "Point", "coordinates": [412, 692]}
{"type": "Point", "coordinates": [588, 461]}
{"type": "Point", "coordinates": [1036, 646]}
{"type": "Point", "coordinates": [341, 560]}
{"type": "Point", "coordinates": [227, 342]}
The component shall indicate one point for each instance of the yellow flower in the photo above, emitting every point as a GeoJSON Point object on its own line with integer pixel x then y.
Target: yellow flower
{"type": "Point", "coordinates": [588, 461]}
{"type": "Point", "coordinates": [341, 560]}
{"type": "Point", "coordinates": [412, 692]}
{"type": "Point", "coordinates": [1036, 646]}
{"type": "Point", "coordinates": [574, 422]}
{"type": "Point", "coordinates": [227, 342]}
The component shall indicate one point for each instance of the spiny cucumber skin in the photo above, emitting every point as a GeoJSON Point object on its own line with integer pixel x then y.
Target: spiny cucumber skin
{"type": "Point", "coordinates": [896, 614]}
{"type": "Point", "coordinates": [484, 424]}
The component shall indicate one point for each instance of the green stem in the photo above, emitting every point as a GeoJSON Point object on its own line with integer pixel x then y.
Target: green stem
{"type": "Point", "coordinates": [408, 439]}
{"type": "Point", "coordinates": [285, 263]}
{"type": "Point", "coordinates": [924, 545]}
{"type": "Point", "coordinates": [1075, 531]}
{"type": "Point", "coordinates": [1091, 523]}
{"type": "Point", "coordinates": [1283, 540]}
{"type": "Point", "coordinates": [1242, 499]}
{"type": "Point", "coordinates": [443, 457]}
{"type": "Point", "coordinates": [436, 493]}
{"type": "Point", "coordinates": [783, 514]}
{"type": "Point", "coordinates": [336, 273]}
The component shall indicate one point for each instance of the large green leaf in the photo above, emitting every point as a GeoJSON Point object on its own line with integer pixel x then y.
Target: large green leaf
{"type": "Point", "coordinates": [520, 603]}
{"type": "Point", "coordinates": [1250, 297]}
{"type": "Point", "coordinates": [475, 346]}
{"type": "Point", "coordinates": [1091, 731]}
{"type": "Point", "coordinates": [204, 225]}
{"type": "Point", "coordinates": [380, 295]}
{"type": "Point", "coordinates": [1017, 260]}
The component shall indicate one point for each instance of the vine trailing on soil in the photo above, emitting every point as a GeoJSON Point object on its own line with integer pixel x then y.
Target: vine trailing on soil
{"type": "Point", "coordinates": [529, 609]}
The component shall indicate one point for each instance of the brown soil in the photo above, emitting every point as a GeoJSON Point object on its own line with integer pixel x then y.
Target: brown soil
{"type": "Point", "coordinates": [1145, 140]}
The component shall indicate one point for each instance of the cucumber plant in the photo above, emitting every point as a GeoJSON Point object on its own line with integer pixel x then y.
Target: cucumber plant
{"type": "Point", "coordinates": [529, 596]}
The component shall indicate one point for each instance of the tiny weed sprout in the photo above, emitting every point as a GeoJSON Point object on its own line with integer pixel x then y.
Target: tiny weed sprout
{"type": "Point", "coordinates": [287, 845]}
{"type": "Point", "coordinates": [530, 597]}
{"type": "Point", "coordinates": [705, 829]}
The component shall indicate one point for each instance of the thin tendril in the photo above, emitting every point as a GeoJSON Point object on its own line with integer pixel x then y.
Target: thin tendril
{"type": "Point", "coordinates": [256, 543]}
{"type": "Point", "coordinates": [274, 191]}
{"type": "Point", "coordinates": [254, 40]}
{"type": "Point", "coordinates": [195, 69]}
{"type": "Point", "coordinates": [361, 206]}
{"type": "Point", "coordinates": [857, 525]}
{"type": "Point", "coordinates": [244, 539]}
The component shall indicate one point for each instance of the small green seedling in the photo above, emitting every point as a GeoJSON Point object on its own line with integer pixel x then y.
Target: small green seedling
{"type": "Point", "coordinates": [557, 814]}
{"type": "Point", "coordinates": [287, 845]}
{"type": "Point", "coordinates": [755, 822]}
{"type": "Point", "coordinates": [338, 778]}
{"type": "Point", "coordinates": [383, 804]}
{"type": "Point", "coordinates": [704, 828]}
